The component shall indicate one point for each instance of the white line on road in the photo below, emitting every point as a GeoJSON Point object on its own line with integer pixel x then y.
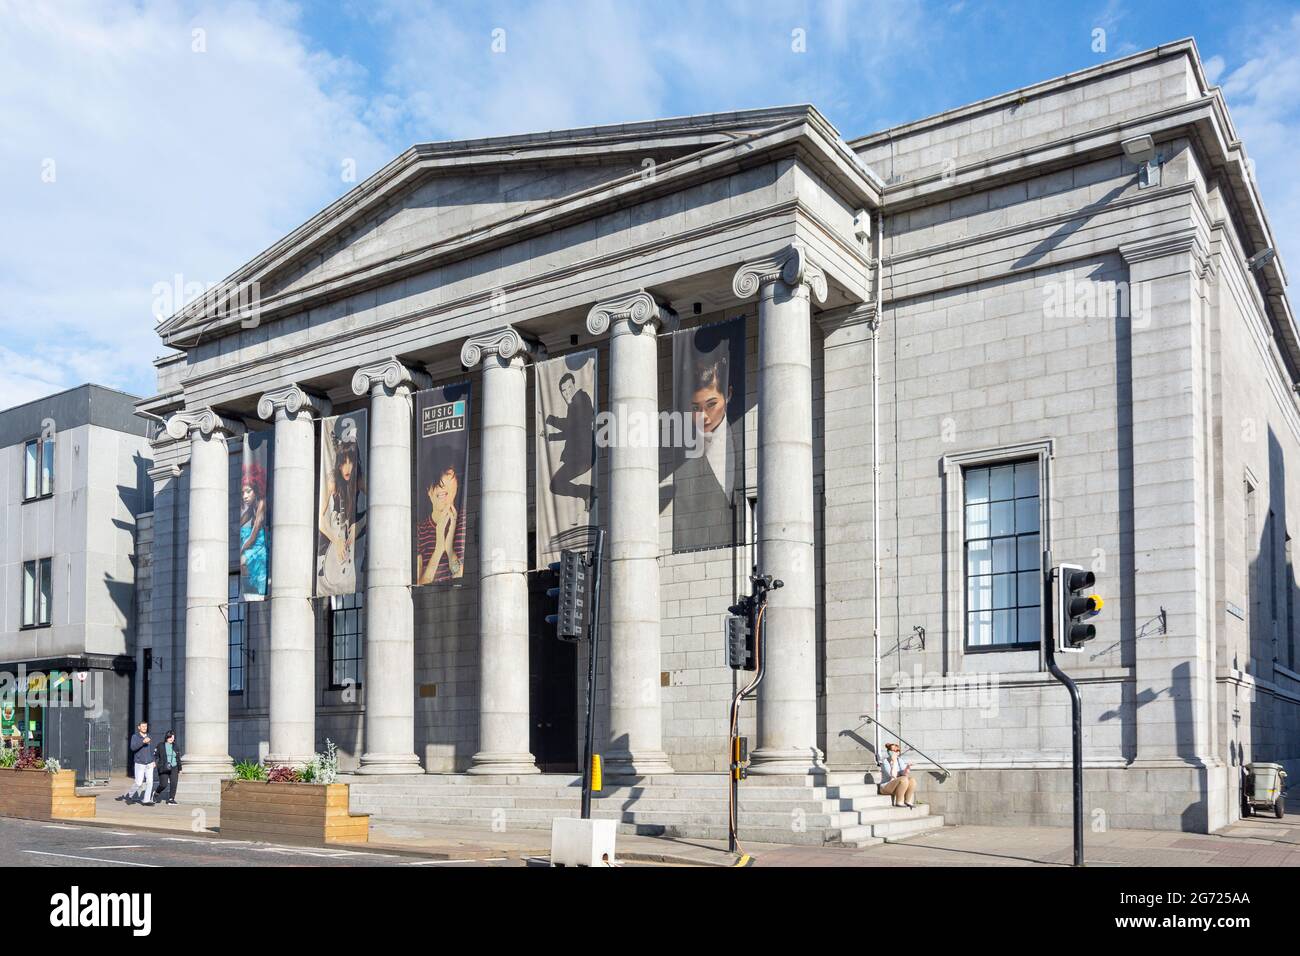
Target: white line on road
{"type": "Point", "coordinates": [118, 846]}
{"type": "Point", "coordinates": [55, 826]}
{"type": "Point", "coordinates": [92, 859]}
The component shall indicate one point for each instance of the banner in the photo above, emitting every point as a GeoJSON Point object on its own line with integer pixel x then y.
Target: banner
{"type": "Point", "coordinates": [441, 483]}
{"type": "Point", "coordinates": [341, 524]}
{"type": "Point", "coordinates": [709, 460]}
{"type": "Point", "coordinates": [566, 454]}
{"type": "Point", "coordinates": [255, 515]}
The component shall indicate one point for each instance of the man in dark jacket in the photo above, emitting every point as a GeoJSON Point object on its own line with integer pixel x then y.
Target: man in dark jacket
{"type": "Point", "coordinates": [575, 429]}
{"type": "Point", "coordinates": [167, 756]}
{"type": "Point", "coordinates": [140, 757]}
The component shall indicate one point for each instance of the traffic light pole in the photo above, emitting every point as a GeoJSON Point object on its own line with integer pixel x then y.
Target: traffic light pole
{"type": "Point", "coordinates": [762, 586]}
{"type": "Point", "coordinates": [1076, 712]}
{"type": "Point", "coordinates": [593, 649]}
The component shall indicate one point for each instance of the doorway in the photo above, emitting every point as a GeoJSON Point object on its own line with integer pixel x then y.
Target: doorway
{"type": "Point", "coordinates": [552, 683]}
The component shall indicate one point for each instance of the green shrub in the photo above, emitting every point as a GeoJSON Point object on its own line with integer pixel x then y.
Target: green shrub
{"type": "Point", "coordinates": [249, 770]}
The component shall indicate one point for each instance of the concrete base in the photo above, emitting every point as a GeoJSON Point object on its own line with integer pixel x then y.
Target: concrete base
{"type": "Point", "coordinates": [641, 764]}
{"type": "Point", "coordinates": [582, 842]}
{"type": "Point", "coordinates": [783, 763]}
{"type": "Point", "coordinates": [1136, 797]}
{"type": "Point", "coordinates": [496, 765]}
{"type": "Point", "coordinates": [389, 764]}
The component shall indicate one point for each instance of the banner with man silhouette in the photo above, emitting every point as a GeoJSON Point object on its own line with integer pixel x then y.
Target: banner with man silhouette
{"type": "Point", "coordinates": [255, 515]}
{"type": "Point", "coordinates": [709, 459]}
{"type": "Point", "coordinates": [441, 483]}
{"type": "Point", "coordinates": [341, 518]}
{"type": "Point", "coordinates": [566, 454]}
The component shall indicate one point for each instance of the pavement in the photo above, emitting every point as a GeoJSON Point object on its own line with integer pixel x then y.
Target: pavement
{"type": "Point", "coordinates": [1258, 841]}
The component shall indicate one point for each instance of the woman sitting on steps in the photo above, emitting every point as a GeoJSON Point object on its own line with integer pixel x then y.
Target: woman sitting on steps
{"type": "Point", "coordinates": [896, 778]}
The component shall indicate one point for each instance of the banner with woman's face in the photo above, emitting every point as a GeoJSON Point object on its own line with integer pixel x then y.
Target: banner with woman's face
{"type": "Point", "coordinates": [255, 515]}
{"type": "Point", "coordinates": [709, 460]}
{"type": "Point", "coordinates": [441, 483]}
{"type": "Point", "coordinates": [341, 516]}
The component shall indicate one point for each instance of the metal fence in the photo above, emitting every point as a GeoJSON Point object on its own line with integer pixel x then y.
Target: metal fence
{"type": "Point", "coordinates": [99, 754]}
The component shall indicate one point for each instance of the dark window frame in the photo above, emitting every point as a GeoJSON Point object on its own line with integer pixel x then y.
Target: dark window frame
{"type": "Point", "coordinates": [236, 621]}
{"type": "Point", "coordinates": [1015, 536]}
{"type": "Point", "coordinates": [42, 444]}
{"type": "Point", "coordinates": [340, 606]}
{"type": "Point", "coordinates": [42, 573]}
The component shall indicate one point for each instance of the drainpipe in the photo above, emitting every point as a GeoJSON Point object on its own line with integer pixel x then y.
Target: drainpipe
{"type": "Point", "coordinates": [875, 476]}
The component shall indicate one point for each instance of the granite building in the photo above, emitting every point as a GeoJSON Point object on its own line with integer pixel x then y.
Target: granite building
{"type": "Point", "coordinates": [1047, 321]}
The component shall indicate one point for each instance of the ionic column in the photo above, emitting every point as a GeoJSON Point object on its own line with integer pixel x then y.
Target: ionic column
{"type": "Point", "coordinates": [636, 730]}
{"type": "Point", "coordinates": [787, 698]}
{"type": "Point", "coordinates": [503, 552]}
{"type": "Point", "coordinates": [390, 613]}
{"type": "Point", "coordinates": [207, 654]}
{"type": "Point", "coordinates": [293, 544]}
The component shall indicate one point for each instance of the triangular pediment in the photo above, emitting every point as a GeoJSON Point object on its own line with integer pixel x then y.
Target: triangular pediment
{"type": "Point", "coordinates": [443, 195]}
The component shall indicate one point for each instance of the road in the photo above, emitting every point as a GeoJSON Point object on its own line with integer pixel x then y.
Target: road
{"type": "Point", "coordinates": [32, 843]}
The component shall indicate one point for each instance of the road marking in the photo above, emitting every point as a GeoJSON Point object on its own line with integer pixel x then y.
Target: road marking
{"type": "Point", "coordinates": [92, 859]}
{"type": "Point", "coordinates": [118, 846]}
{"type": "Point", "coordinates": [55, 826]}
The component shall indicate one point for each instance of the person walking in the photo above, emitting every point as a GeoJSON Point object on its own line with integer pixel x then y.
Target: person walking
{"type": "Point", "coordinates": [140, 752]}
{"type": "Point", "coordinates": [168, 759]}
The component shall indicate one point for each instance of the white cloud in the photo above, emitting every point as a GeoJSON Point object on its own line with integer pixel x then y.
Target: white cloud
{"type": "Point", "coordinates": [1263, 95]}
{"type": "Point", "coordinates": [164, 160]}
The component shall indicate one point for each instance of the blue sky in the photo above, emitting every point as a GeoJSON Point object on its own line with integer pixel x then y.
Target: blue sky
{"type": "Point", "coordinates": [154, 145]}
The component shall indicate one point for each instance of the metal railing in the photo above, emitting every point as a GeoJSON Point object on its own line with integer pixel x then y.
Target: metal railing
{"type": "Point", "coordinates": [910, 746]}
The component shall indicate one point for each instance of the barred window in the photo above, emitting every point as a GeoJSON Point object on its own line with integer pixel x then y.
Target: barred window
{"type": "Point", "coordinates": [238, 633]}
{"type": "Point", "coordinates": [347, 621]}
{"type": "Point", "coordinates": [1004, 579]}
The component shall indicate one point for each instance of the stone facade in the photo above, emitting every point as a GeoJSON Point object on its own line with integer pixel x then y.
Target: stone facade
{"type": "Point", "coordinates": [86, 525]}
{"type": "Point", "coordinates": [1021, 296]}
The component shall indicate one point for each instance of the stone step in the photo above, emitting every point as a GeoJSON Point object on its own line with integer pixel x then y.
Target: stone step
{"type": "Point", "coordinates": [896, 830]}
{"type": "Point", "coordinates": [887, 814]}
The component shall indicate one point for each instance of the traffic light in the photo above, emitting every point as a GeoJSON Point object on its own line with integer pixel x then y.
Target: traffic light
{"type": "Point", "coordinates": [570, 618]}
{"type": "Point", "coordinates": [740, 635]}
{"type": "Point", "coordinates": [1075, 604]}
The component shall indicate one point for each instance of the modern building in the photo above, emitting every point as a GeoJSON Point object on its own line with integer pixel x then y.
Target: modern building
{"type": "Point", "coordinates": [74, 477]}
{"type": "Point", "coordinates": [1047, 321]}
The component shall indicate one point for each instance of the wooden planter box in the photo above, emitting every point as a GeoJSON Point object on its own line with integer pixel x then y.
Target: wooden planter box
{"type": "Point", "coordinates": [39, 795]}
{"type": "Point", "coordinates": [306, 814]}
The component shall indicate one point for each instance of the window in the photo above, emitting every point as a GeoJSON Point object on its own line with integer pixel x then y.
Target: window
{"type": "Point", "coordinates": [38, 468]}
{"type": "Point", "coordinates": [1004, 579]}
{"type": "Point", "coordinates": [1288, 583]}
{"type": "Point", "coordinates": [36, 593]}
{"type": "Point", "coordinates": [237, 616]}
{"type": "Point", "coordinates": [346, 622]}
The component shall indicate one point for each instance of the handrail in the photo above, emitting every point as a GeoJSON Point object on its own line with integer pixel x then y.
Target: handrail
{"type": "Point", "coordinates": [910, 746]}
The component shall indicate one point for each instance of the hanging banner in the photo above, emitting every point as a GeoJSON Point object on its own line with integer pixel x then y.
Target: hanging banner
{"type": "Point", "coordinates": [709, 458]}
{"type": "Point", "coordinates": [255, 515]}
{"type": "Point", "coordinates": [441, 483]}
{"type": "Point", "coordinates": [341, 524]}
{"type": "Point", "coordinates": [566, 454]}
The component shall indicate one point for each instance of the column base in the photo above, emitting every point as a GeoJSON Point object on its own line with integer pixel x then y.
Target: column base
{"type": "Point", "coordinates": [498, 764]}
{"type": "Point", "coordinates": [641, 763]}
{"type": "Point", "coordinates": [377, 764]}
{"type": "Point", "coordinates": [217, 765]}
{"type": "Point", "coordinates": [289, 760]}
{"type": "Point", "coordinates": [797, 762]}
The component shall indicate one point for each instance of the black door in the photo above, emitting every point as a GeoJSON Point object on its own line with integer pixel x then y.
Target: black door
{"type": "Point", "coordinates": [552, 684]}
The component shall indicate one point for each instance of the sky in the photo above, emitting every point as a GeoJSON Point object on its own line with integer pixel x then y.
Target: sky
{"type": "Point", "coordinates": [150, 147]}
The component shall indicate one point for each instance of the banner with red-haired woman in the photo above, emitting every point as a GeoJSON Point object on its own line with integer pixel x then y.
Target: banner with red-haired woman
{"type": "Point", "coordinates": [255, 516]}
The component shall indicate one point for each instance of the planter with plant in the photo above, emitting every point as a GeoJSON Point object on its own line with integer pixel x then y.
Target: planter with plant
{"type": "Point", "coordinates": [35, 788]}
{"type": "Point", "coordinates": [303, 805]}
